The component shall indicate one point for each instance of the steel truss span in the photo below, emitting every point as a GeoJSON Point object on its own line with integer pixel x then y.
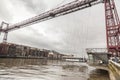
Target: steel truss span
{"type": "Point", "coordinates": [111, 18]}
{"type": "Point", "coordinates": [62, 10]}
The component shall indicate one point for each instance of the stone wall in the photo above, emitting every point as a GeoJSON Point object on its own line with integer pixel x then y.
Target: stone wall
{"type": "Point", "coordinates": [114, 70]}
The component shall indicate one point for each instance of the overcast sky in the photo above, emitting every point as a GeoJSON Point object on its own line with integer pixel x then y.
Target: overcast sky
{"type": "Point", "coordinates": [69, 34]}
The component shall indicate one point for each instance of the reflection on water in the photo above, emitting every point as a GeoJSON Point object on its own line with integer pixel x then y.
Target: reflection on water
{"type": "Point", "coordinates": [39, 69]}
{"type": "Point", "coordinates": [99, 75]}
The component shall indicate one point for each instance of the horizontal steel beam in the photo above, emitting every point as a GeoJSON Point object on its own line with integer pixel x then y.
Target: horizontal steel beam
{"type": "Point", "coordinates": [62, 10]}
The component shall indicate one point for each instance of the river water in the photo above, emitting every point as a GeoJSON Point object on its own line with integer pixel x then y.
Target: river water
{"type": "Point", "coordinates": [39, 69]}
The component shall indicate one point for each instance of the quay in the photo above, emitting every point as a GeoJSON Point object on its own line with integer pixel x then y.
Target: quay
{"type": "Point", "coordinates": [11, 50]}
{"type": "Point", "coordinates": [100, 59]}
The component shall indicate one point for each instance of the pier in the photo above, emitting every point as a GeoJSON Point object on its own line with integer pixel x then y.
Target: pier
{"type": "Point", "coordinates": [100, 59]}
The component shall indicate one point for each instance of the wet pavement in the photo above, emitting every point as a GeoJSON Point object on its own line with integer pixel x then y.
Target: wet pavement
{"type": "Point", "coordinates": [39, 69]}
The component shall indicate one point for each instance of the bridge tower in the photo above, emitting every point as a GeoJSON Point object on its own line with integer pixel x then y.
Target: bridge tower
{"type": "Point", "coordinates": [112, 27]}
{"type": "Point", "coordinates": [111, 18]}
{"type": "Point", "coordinates": [4, 25]}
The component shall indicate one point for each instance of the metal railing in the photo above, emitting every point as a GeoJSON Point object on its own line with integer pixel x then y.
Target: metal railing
{"type": "Point", "coordinates": [96, 50]}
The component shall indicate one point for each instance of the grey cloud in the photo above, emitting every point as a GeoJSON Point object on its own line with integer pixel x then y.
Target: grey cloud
{"type": "Point", "coordinates": [75, 32]}
{"type": "Point", "coordinates": [34, 6]}
{"type": "Point", "coordinates": [5, 13]}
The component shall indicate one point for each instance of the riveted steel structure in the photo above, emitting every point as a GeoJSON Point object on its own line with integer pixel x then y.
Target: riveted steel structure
{"type": "Point", "coordinates": [111, 18]}
{"type": "Point", "coordinates": [112, 27]}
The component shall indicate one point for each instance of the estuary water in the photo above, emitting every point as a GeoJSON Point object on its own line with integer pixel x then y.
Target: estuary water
{"type": "Point", "coordinates": [39, 69]}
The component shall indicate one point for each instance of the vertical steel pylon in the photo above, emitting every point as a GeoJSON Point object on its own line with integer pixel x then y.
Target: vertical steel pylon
{"type": "Point", "coordinates": [1, 26]}
{"type": "Point", "coordinates": [5, 37]}
{"type": "Point", "coordinates": [5, 26]}
{"type": "Point", "coordinates": [112, 27]}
